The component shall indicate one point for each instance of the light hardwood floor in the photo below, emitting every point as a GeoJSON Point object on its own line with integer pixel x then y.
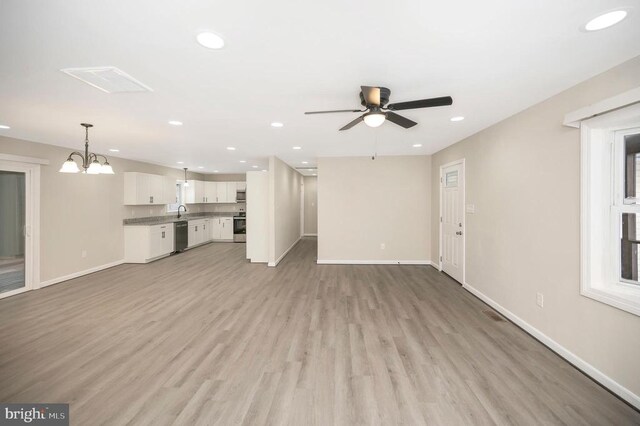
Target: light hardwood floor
{"type": "Point", "coordinates": [206, 338]}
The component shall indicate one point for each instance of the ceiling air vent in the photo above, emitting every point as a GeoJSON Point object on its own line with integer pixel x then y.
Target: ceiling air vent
{"type": "Point", "coordinates": [107, 79]}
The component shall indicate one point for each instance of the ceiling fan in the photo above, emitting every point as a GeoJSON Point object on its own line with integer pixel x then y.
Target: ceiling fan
{"type": "Point", "coordinates": [374, 100]}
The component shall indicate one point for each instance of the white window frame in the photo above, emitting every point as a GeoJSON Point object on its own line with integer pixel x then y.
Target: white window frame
{"type": "Point", "coordinates": [602, 202]}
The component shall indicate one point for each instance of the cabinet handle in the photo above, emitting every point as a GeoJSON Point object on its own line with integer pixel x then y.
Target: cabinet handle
{"type": "Point", "coordinates": [163, 234]}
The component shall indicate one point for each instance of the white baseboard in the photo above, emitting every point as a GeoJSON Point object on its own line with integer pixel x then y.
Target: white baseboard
{"type": "Point", "coordinates": [80, 273]}
{"type": "Point", "coordinates": [373, 262]}
{"type": "Point", "coordinates": [572, 358]}
{"type": "Point", "coordinates": [273, 264]}
{"type": "Point", "coordinates": [309, 235]}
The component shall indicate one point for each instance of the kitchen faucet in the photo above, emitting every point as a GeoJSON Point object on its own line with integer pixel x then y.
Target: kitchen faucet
{"type": "Point", "coordinates": [185, 210]}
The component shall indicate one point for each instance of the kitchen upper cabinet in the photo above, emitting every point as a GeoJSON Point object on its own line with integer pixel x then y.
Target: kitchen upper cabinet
{"type": "Point", "coordinates": [210, 192]}
{"type": "Point", "coordinates": [144, 188]}
{"type": "Point", "coordinates": [145, 243]}
{"type": "Point", "coordinates": [221, 192]}
{"type": "Point", "coordinates": [194, 193]}
{"type": "Point", "coordinates": [199, 192]}
{"type": "Point", "coordinates": [169, 190]}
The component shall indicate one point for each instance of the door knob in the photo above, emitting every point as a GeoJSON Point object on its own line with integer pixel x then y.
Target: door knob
{"type": "Point", "coordinates": [459, 233]}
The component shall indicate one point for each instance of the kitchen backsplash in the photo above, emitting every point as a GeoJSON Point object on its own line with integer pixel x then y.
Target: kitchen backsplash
{"type": "Point", "coordinates": [131, 212]}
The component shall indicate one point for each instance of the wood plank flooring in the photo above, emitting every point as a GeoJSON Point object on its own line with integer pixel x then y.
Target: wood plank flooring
{"type": "Point", "coordinates": [205, 338]}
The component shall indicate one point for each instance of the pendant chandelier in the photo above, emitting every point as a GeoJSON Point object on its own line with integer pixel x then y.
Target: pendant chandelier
{"type": "Point", "coordinates": [90, 163]}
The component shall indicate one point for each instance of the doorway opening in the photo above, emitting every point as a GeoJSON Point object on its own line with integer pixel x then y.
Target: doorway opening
{"type": "Point", "coordinates": [18, 227]}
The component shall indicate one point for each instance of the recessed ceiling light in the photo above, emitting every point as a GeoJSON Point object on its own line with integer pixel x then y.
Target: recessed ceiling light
{"type": "Point", "coordinates": [201, 167]}
{"type": "Point", "coordinates": [277, 124]}
{"type": "Point", "coordinates": [315, 174]}
{"type": "Point", "coordinates": [457, 118]}
{"type": "Point", "coordinates": [297, 147]}
{"type": "Point", "coordinates": [243, 161]}
{"type": "Point", "coordinates": [255, 167]}
{"type": "Point", "coordinates": [305, 162]}
{"type": "Point", "coordinates": [215, 171]}
{"type": "Point", "coordinates": [230, 148]}
{"type": "Point", "coordinates": [605, 21]}
{"type": "Point", "coordinates": [2, 126]}
{"type": "Point", "coordinates": [180, 162]}
{"type": "Point", "coordinates": [175, 122]}
{"type": "Point", "coordinates": [417, 145]}
{"type": "Point", "coordinates": [263, 170]}
{"type": "Point", "coordinates": [114, 150]}
{"type": "Point", "coordinates": [310, 170]}
{"type": "Point", "coordinates": [210, 40]}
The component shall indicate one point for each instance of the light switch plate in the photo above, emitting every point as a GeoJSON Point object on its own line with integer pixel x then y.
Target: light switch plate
{"type": "Point", "coordinates": [471, 208]}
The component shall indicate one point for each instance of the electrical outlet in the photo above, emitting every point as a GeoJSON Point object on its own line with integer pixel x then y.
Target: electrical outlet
{"type": "Point", "coordinates": [83, 254]}
{"type": "Point", "coordinates": [382, 246]}
{"type": "Point", "coordinates": [540, 299]}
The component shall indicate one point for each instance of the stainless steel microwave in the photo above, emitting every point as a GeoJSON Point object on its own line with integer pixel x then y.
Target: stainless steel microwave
{"type": "Point", "coordinates": [241, 196]}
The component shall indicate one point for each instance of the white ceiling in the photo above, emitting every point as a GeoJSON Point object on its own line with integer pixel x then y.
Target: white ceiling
{"type": "Point", "coordinates": [284, 57]}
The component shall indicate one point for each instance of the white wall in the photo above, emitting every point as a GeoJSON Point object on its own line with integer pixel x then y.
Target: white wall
{"type": "Point", "coordinates": [82, 212]}
{"type": "Point", "coordinates": [258, 216]}
{"type": "Point", "coordinates": [310, 223]}
{"type": "Point", "coordinates": [523, 175]}
{"type": "Point", "coordinates": [285, 187]}
{"type": "Point", "coordinates": [363, 203]}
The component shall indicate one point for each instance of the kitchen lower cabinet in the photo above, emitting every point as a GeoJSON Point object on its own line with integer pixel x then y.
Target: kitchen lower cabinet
{"type": "Point", "coordinates": [222, 228]}
{"type": "Point", "coordinates": [145, 243]}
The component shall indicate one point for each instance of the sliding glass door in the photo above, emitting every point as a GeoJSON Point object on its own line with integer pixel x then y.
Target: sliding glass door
{"type": "Point", "coordinates": [13, 191]}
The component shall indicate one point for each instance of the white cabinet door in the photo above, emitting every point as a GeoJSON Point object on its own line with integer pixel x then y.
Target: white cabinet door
{"type": "Point", "coordinates": [206, 230]}
{"type": "Point", "coordinates": [194, 193]}
{"type": "Point", "coordinates": [160, 240]}
{"type": "Point", "coordinates": [241, 186]}
{"type": "Point", "coordinates": [169, 192]}
{"type": "Point", "coordinates": [227, 228]}
{"type": "Point", "coordinates": [210, 192]}
{"type": "Point", "coordinates": [221, 192]}
{"type": "Point", "coordinates": [232, 188]}
{"type": "Point", "coordinates": [156, 192]}
{"type": "Point", "coordinates": [216, 228]}
{"type": "Point", "coordinates": [191, 234]}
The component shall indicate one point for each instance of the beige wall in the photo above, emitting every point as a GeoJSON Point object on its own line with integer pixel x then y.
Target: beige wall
{"type": "Point", "coordinates": [285, 187]}
{"type": "Point", "coordinates": [523, 175]}
{"type": "Point", "coordinates": [82, 212]}
{"type": "Point", "coordinates": [363, 203]}
{"type": "Point", "coordinates": [310, 205]}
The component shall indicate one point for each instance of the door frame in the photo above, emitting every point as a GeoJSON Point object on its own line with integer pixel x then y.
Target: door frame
{"type": "Point", "coordinates": [461, 162]}
{"type": "Point", "coordinates": [32, 221]}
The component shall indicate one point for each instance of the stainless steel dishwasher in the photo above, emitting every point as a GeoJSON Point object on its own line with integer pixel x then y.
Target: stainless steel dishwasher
{"type": "Point", "coordinates": [181, 233]}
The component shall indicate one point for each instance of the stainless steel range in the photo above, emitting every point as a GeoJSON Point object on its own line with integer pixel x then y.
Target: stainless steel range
{"type": "Point", "coordinates": [240, 228]}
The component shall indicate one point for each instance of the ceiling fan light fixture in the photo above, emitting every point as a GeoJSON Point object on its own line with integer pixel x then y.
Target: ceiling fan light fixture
{"type": "Point", "coordinates": [374, 119]}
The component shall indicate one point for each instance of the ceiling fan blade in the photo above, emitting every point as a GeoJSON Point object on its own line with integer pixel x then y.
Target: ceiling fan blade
{"type": "Point", "coordinates": [400, 120]}
{"type": "Point", "coordinates": [353, 123]}
{"type": "Point", "coordinates": [371, 95]}
{"type": "Point", "coordinates": [337, 110]}
{"type": "Point", "coordinates": [423, 103]}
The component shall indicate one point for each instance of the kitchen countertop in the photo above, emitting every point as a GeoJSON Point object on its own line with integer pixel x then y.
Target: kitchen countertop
{"type": "Point", "coordinates": [159, 220]}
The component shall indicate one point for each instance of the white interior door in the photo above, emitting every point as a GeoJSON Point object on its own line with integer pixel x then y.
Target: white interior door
{"type": "Point", "coordinates": [452, 220]}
